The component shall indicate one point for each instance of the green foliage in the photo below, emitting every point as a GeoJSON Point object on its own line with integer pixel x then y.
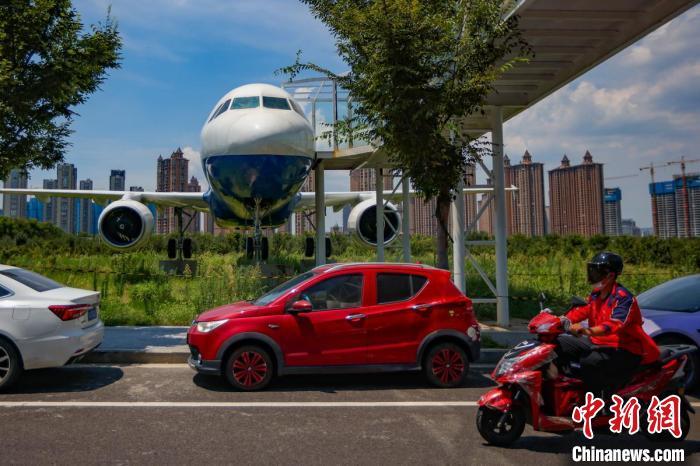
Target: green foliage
{"type": "Point", "coordinates": [135, 291]}
{"type": "Point", "coordinates": [416, 67]}
{"type": "Point", "coordinates": [48, 66]}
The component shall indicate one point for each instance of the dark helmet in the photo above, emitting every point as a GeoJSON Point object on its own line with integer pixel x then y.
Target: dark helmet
{"type": "Point", "coordinates": [602, 264]}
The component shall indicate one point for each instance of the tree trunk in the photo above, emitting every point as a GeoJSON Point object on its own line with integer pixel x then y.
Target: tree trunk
{"type": "Point", "coordinates": [442, 213]}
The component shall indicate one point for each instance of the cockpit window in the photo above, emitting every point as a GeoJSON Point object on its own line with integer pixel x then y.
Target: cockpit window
{"type": "Point", "coordinates": [221, 109]}
{"type": "Point", "coordinates": [279, 103]}
{"type": "Point", "coordinates": [245, 102]}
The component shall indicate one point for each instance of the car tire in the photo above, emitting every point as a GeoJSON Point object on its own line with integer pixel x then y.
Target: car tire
{"type": "Point", "coordinates": [10, 365]}
{"type": "Point", "coordinates": [693, 372]}
{"type": "Point", "coordinates": [249, 368]}
{"type": "Point", "coordinates": [446, 365]}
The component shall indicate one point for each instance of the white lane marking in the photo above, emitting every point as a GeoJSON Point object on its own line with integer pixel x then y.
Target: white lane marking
{"type": "Point", "coordinates": [235, 404]}
{"type": "Point", "coordinates": [241, 404]}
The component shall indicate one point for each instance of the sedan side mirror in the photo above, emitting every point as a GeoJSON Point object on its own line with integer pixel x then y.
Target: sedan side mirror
{"type": "Point", "coordinates": [577, 302]}
{"type": "Point", "coordinates": [300, 306]}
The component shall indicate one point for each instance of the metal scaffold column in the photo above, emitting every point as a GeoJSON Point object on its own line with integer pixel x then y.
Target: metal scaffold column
{"type": "Point", "coordinates": [379, 186]}
{"type": "Point", "coordinates": [320, 198]}
{"type": "Point", "coordinates": [502, 311]}
{"type": "Point", "coordinates": [405, 219]}
{"type": "Point", "coordinates": [458, 236]}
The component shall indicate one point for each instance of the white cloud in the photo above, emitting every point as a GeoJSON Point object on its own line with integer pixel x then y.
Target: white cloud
{"type": "Point", "coordinates": [638, 55]}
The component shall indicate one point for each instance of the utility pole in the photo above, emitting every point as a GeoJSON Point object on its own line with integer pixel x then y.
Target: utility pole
{"type": "Point", "coordinates": [686, 201]}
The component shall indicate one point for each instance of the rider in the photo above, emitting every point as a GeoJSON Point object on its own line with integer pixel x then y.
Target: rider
{"type": "Point", "coordinates": [613, 345]}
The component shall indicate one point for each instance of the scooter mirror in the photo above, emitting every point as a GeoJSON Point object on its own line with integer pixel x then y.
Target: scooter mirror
{"type": "Point", "coordinates": [542, 299]}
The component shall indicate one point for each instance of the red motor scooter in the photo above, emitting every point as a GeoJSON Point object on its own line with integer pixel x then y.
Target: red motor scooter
{"type": "Point", "coordinates": [535, 388]}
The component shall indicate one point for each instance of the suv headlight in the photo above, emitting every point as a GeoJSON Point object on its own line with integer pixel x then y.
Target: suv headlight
{"type": "Point", "coordinates": [206, 327]}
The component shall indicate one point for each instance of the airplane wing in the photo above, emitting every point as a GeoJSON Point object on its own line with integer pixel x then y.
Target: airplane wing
{"type": "Point", "coordinates": [337, 200]}
{"type": "Point", "coordinates": [187, 200]}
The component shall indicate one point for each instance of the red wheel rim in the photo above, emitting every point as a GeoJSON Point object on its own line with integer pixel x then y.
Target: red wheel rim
{"type": "Point", "coordinates": [448, 366]}
{"type": "Point", "coordinates": [249, 368]}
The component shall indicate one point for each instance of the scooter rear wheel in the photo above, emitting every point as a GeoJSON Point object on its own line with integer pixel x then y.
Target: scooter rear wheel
{"type": "Point", "coordinates": [498, 428]}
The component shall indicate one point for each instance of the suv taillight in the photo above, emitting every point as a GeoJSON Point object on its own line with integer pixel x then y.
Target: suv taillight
{"type": "Point", "coordinates": [69, 312]}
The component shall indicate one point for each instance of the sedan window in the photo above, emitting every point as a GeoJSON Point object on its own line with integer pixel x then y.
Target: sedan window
{"type": "Point", "coordinates": [4, 292]}
{"type": "Point", "coordinates": [240, 103]}
{"type": "Point", "coordinates": [393, 287]}
{"type": "Point", "coordinates": [341, 292]}
{"type": "Point", "coordinates": [30, 279]}
{"type": "Point", "coordinates": [279, 103]}
{"type": "Point", "coordinates": [679, 295]}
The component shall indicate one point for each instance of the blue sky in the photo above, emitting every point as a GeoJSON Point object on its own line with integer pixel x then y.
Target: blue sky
{"type": "Point", "coordinates": [180, 56]}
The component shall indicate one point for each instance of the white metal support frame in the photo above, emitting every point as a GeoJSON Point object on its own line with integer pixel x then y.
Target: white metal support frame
{"type": "Point", "coordinates": [379, 186]}
{"type": "Point", "coordinates": [502, 311]}
{"type": "Point", "coordinates": [320, 213]}
{"type": "Point", "coordinates": [458, 236]}
{"type": "Point", "coordinates": [405, 219]}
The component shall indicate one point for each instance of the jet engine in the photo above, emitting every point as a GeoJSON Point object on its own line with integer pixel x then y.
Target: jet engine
{"type": "Point", "coordinates": [125, 224]}
{"type": "Point", "coordinates": [363, 222]}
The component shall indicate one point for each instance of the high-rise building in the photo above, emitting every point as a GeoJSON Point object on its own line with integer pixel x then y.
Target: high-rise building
{"type": "Point", "coordinates": [35, 209]}
{"type": "Point", "coordinates": [525, 210]}
{"type": "Point", "coordinates": [117, 180]}
{"type": "Point", "coordinates": [422, 214]}
{"type": "Point", "coordinates": [612, 212]}
{"type": "Point", "coordinates": [66, 208]}
{"type": "Point", "coordinates": [630, 228]}
{"type": "Point", "coordinates": [525, 206]}
{"type": "Point", "coordinates": [12, 205]}
{"type": "Point", "coordinates": [305, 221]}
{"type": "Point", "coordinates": [136, 189]}
{"type": "Point", "coordinates": [576, 197]}
{"type": "Point", "coordinates": [677, 213]}
{"type": "Point", "coordinates": [364, 179]}
{"type": "Point", "coordinates": [171, 176]}
{"type": "Point", "coordinates": [49, 207]}
{"type": "Point", "coordinates": [86, 219]}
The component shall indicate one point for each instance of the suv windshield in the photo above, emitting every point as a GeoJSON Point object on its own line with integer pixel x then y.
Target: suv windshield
{"type": "Point", "coordinates": [33, 280]}
{"type": "Point", "coordinates": [679, 295]}
{"type": "Point", "coordinates": [279, 290]}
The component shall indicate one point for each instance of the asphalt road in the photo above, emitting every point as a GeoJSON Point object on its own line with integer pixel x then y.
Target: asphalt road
{"type": "Point", "coordinates": [168, 415]}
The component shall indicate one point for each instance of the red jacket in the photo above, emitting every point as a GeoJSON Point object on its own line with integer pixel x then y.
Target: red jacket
{"type": "Point", "coordinates": [619, 315]}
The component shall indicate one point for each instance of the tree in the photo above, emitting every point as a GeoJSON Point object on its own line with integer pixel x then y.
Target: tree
{"type": "Point", "coordinates": [48, 66]}
{"type": "Point", "coordinates": [416, 68]}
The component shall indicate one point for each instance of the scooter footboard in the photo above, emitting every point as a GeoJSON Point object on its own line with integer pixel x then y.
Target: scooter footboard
{"type": "Point", "coordinates": [499, 398]}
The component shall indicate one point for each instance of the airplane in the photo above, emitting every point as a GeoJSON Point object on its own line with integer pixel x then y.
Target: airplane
{"type": "Point", "coordinates": [258, 148]}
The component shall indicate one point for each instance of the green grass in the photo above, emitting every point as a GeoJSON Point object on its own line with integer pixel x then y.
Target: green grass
{"type": "Point", "coordinates": [135, 292]}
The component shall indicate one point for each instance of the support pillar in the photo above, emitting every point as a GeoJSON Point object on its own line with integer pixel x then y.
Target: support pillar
{"type": "Point", "coordinates": [502, 311]}
{"type": "Point", "coordinates": [379, 187]}
{"type": "Point", "coordinates": [458, 251]}
{"type": "Point", "coordinates": [320, 193]}
{"type": "Point", "coordinates": [406, 220]}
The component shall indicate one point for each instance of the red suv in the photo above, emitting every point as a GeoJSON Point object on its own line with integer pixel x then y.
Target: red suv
{"type": "Point", "coordinates": [342, 318]}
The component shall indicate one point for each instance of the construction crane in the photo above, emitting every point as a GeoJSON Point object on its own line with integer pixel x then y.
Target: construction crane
{"type": "Point", "coordinates": [686, 201]}
{"type": "Point", "coordinates": [649, 167]}
{"type": "Point", "coordinates": [621, 177]}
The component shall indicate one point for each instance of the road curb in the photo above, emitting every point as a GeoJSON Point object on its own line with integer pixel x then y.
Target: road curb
{"type": "Point", "coordinates": [135, 357]}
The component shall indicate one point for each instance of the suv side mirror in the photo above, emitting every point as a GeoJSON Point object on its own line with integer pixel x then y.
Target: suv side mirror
{"type": "Point", "coordinates": [577, 302]}
{"type": "Point", "coordinates": [300, 306]}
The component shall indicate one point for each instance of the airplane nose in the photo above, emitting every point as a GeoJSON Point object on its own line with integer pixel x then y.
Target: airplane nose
{"type": "Point", "coordinates": [260, 131]}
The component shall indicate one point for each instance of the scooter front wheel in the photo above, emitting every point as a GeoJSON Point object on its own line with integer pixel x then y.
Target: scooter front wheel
{"type": "Point", "coordinates": [499, 428]}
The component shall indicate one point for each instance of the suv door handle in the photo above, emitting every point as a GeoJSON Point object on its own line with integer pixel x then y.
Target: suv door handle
{"type": "Point", "coordinates": [354, 317]}
{"type": "Point", "coordinates": [422, 307]}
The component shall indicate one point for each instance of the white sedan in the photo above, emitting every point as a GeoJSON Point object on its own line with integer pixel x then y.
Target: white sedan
{"type": "Point", "coordinates": [43, 323]}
